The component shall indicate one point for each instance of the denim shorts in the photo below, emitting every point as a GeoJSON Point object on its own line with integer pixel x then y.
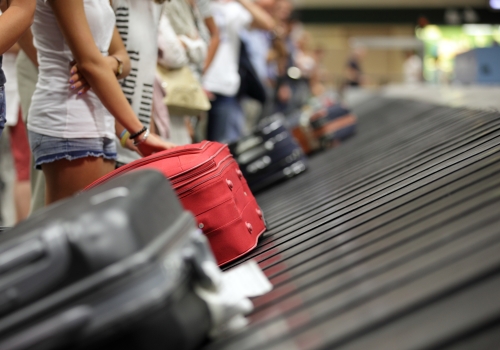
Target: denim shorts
{"type": "Point", "coordinates": [3, 110]}
{"type": "Point", "coordinates": [47, 149]}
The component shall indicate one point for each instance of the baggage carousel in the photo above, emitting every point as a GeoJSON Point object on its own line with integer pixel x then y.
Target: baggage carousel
{"type": "Point", "coordinates": [390, 241]}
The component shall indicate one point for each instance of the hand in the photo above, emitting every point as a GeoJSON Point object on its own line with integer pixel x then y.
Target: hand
{"type": "Point", "coordinates": [154, 144]}
{"type": "Point", "coordinates": [183, 43]}
{"type": "Point", "coordinates": [112, 63]}
{"type": "Point", "coordinates": [77, 81]}
{"type": "Point", "coordinates": [210, 95]}
{"type": "Point", "coordinates": [130, 146]}
{"type": "Point", "coordinates": [284, 93]}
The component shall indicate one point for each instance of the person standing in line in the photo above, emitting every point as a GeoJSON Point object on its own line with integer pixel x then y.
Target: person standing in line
{"type": "Point", "coordinates": [72, 129]}
{"type": "Point", "coordinates": [258, 43]}
{"type": "Point", "coordinates": [282, 57]}
{"type": "Point", "coordinates": [27, 77]}
{"type": "Point", "coordinates": [137, 22]}
{"type": "Point", "coordinates": [17, 16]}
{"type": "Point", "coordinates": [18, 137]}
{"type": "Point", "coordinates": [354, 70]}
{"type": "Point", "coordinates": [181, 42]}
{"type": "Point", "coordinates": [226, 119]}
{"type": "Point", "coordinates": [187, 23]}
{"type": "Point", "coordinates": [412, 68]}
{"type": "Point", "coordinates": [211, 34]}
{"type": "Point", "coordinates": [199, 123]}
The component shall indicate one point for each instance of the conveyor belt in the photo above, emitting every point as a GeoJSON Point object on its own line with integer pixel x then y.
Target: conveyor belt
{"type": "Point", "coordinates": [391, 241]}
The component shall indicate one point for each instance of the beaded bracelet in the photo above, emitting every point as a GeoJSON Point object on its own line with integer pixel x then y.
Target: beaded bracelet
{"type": "Point", "coordinates": [143, 130]}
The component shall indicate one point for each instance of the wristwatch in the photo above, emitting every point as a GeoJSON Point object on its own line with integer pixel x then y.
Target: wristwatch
{"type": "Point", "coordinates": [119, 71]}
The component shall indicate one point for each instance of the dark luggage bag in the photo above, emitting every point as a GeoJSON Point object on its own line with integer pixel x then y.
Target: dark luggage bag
{"type": "Point", "coordinates": [113, 268]}
{"type": "Point", "coordinates": [209, 183]}
{"type": "Point", "coordinates": [333, 124]}
{"type": "Point", "coordinates": [269, 154]}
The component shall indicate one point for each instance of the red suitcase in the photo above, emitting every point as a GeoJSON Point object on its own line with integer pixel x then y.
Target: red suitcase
{"type": "Point", "coordinates": [209, 183]}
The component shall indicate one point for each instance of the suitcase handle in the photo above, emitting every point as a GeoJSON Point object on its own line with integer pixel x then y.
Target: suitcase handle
{"type": "Point", "coordinates": [52, 333]}
{"type": "Point", "coordinates": [202, 261]}
{"type": "Point", "coordinates": [31, 268]}
{"type": "Point", "coordinates": [20, 255]}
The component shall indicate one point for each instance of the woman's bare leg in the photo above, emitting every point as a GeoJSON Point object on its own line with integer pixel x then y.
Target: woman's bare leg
{"type": "Point", "coordinates": [64, 178]}
{"type": "Point", "coordinates": [22, 199]}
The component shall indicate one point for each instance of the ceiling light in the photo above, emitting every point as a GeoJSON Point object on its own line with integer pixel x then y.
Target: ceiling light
{"type": "Point", "coordinates": [495, 4]}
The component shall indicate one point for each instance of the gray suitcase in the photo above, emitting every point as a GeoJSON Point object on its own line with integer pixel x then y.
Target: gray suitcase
{"type": "Point", "coordinates": [114, 267]}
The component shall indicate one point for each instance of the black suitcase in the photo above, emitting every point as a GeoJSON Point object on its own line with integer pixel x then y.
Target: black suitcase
{"type": "Point", "coordinates": [114, 267]}
{"type": "Point", "coordinates": [322, 116]}
{"type": "Point", "coordinates": [269, 154]}
{"type": "Point", "coordinates": [333, 124]}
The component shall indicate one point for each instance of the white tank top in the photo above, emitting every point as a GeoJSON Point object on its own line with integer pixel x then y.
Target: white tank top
{"type": "Point", "coordinates": [55, 109]}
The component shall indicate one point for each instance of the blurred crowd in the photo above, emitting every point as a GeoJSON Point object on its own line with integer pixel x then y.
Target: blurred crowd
{"type": "Point", "coordinates": [188, 70]}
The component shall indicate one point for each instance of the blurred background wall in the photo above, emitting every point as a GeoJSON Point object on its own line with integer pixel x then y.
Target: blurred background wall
{"type": "Point", "coordinates": [333, 25]}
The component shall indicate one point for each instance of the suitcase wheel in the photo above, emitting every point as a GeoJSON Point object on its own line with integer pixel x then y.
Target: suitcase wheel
{"type": "Point", "coordinates": [259, 213]}
{"type": "Point", "coordinates": [249, 227]}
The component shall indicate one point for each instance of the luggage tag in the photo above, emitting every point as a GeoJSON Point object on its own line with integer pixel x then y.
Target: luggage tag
{"type": "Point", "coordinates": [230, 302]}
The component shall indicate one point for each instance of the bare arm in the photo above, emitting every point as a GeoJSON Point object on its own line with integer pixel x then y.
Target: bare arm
{"type": "Point", "coordinates": [171, 51]}
{"type": "Point", "coordinates": [14, 21]}
{"type": "Point", "coordinates": [14, 49]}
{"type": "Point", "coordinates": [214, 42]}
{"type": "Point", "coordinates": [70, 15]}
{"type": "Point", "coordinates": [261, 19]}
{"type": "Point", "coordinates": [26, 43]}
{"type": "Point", "coordinates": [118, 50]}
